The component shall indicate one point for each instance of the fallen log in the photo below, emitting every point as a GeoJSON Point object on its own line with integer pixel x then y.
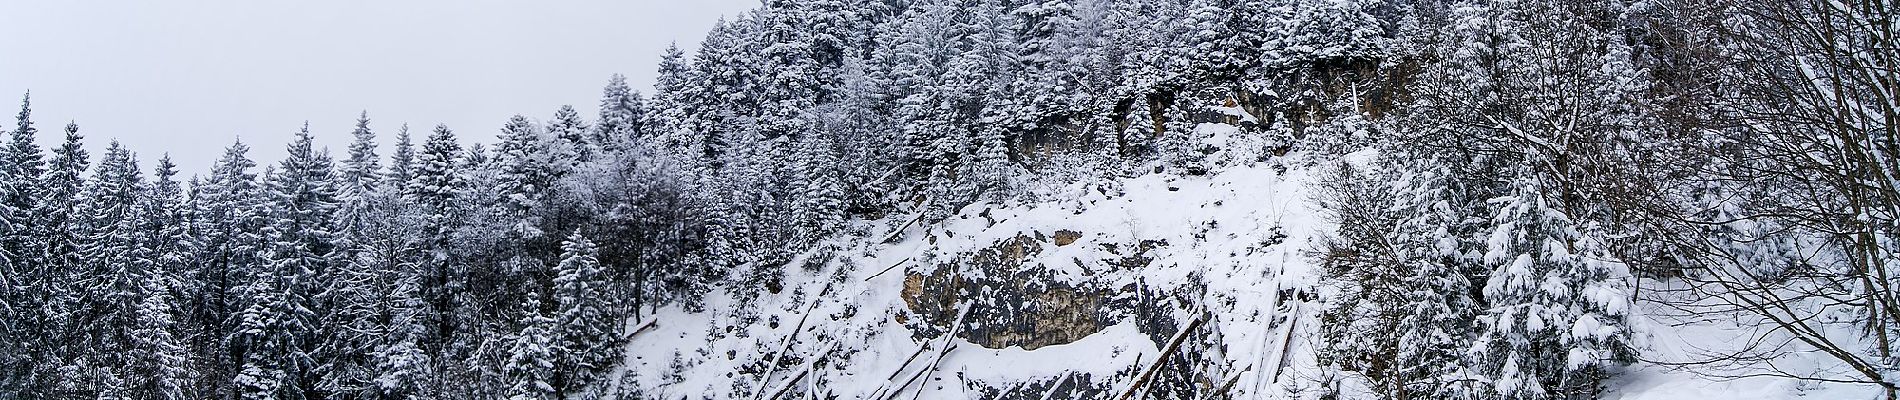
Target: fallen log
{"type": "Point", "coordinates": [944, 349]}
{"type": "Point", "coordinates": [1162, 360]}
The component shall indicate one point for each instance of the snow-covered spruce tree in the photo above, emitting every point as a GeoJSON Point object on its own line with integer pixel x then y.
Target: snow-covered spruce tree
{"type": "Point", "coordinates": [432, 190]}
{"type": "Point", "coordinates": [620, 115]}
{"type": "Point", "coordinates": [281, 335]}
{"type": "Point", "coordinates": [158, 364]}
{"type": "Point", "coordinates": [665, 116]}
{"type": "Point", "coordinates": [27, 324]}
{"type": "Point", "coordinates": [228, 221]}
{"type": "Point", "coordinates": [530, 367]}
{"type": "Point", "coordinates": [525, 164]}
{"type": "Point", "coordinates": [1360, 323]}
{"type": "Point", "coordinates": [157, 361]}
{"type": "Point", "coordinates": [110, 280]}
{"type": "Point", "coordinates": [401, 163]}
{"type": "Point", "coordinates": [819, 201]}
{"type": "Point", "coordinates": [585, 334]}
{"type": "Point", "coordinates": [361, 173]}
{"type": "Point", "coordinates": [24, 161]}
{"type": "Point", "coordinates": [571, 137]}
{"type": "Point", "coordinates": [402, 368]}
{"type": "Point", "coordinates": [58, 227]}
{"type": "Point", "coordinates": [352, 284]}
{"type": "Point", "coordinates": [1555, 323]}
{"type": "Point", "coordinates": [1437, 312]}
{"type": "Point", "coordinates": [1317, 30]}
{"type": "Point", "coordinates": [21, 160]}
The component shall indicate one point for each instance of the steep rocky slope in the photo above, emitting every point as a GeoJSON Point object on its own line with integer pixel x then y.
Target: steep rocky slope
{"type": "Point", "coordinates": [1073, 296]}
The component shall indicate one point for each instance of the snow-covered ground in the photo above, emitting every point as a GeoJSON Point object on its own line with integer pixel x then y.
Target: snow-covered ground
{"type": "Point", "coordinates": [1245, 227]}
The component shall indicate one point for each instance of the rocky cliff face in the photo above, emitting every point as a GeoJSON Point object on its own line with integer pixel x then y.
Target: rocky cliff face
{"type": "Point", "coordinates": [1016, 300]}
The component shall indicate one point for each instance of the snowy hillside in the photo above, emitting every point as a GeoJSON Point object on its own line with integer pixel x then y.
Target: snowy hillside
{"type": "Point", "coordinates": [1234, 246]}
{"type": "Point", "coordinates": [1029, 199]}
{"type": "Point", "coordinates": [1226, 235]}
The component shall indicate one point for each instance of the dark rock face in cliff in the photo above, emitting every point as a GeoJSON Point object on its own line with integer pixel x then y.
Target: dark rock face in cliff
{"type": "Point", "coordinates": [1015, 300]}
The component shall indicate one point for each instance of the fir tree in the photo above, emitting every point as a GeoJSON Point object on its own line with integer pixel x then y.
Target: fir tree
{"type": "Point", "coordinates": [572, 138]}
{"type": "Point", "coordinates": [820, 198]}
{"type": "Point", "coordinates": [584, 334]}
{"type": "Point", "coordinates": [360, 173]}
{"type": "Point", "coordinates": [1554, 323]}
{"type": "Point", "coordinates": [526, 167]}
{"type": "Point", "coordinates": [115, 262]}
{"type": "Point", "coordinates": [619, 115]}
{"type": "Point", "coordinates": [402, 367]}
{"type": "Point", "coordinates": [530, 366]}
{"type": "Point", "coordinates": [402, 163]}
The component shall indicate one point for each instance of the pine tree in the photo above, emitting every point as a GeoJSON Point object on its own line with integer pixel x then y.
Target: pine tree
{"type": "Point", "coordinates": [402, 163]}
{"type": "Point", "coordinates": [360, 173]}
{"type": "Point", "coordinates": [158, 362]}
{"type": "Point", "coordinates": [584, 335]}
{"type": "Point", "coordinates": [1555, 318]}
{"type": "Point", "coordinates": [619, 115]}
{"type": "Point", "coordinates": [821, 195]}
{"type": "Point", "coordinates": [526, 167]}
{"type": "Point", "coordinates": [229, 221]}
{"type": "Point", "coordinates": [571, 135]}
{"type": "Point", "coordinates": [530, 366]}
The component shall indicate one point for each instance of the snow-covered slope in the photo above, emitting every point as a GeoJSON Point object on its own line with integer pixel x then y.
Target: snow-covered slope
{"type": "Point", "coordinates": [843, 326]}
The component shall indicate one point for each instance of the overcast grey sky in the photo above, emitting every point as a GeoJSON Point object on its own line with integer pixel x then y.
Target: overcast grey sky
{"type": "Point", "coordinates": [188, 77]}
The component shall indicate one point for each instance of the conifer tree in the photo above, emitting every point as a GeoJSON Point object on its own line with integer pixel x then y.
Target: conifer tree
{"type": "Point", "coordinates": [584, 333]}
{"type": "Point", "coordinates": [24, 159]}
{"type": "Point", "coordinates": [229, 221]}
{"type": "Point", "coordinates": [665, 116]}
{"type": "Point", "coordinates": [55, 210]}
{"type": "Point", "coordinates": [361, 172]}
{"type": "Point", "coordinates": [572, 138]}
{"type": "Point", "coordinates": [820, 198]}
{"type": "Point", "coordinates": [619, 115]}
{"type": "Point", "coordinates": [113, 262]}
{"type": "Point", "coordinates": [1437, 311]}
{"type": "Point", "coordinates": [25, 325]}
{"type": "Point", "coordinates": [526, 167]}
{"type": "Point", "coordinates": [433, 191]}
{"type": "Point", "coordinates": [158, 362]}
{"type": "Point", "coordinates": [401, 365]}
{"type": "Point", "coordinates": [281, 332]}
{"type": "Point", "coordinates": [402, 163]}
{"type": "Point", "coordinates": [530, 366]}
{"type": "Point", "coordinates": [1555, 318]}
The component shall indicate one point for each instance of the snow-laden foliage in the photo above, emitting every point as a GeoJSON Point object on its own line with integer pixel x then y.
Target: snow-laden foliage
{"type": "Point", "coordinates": [1520, 199]}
